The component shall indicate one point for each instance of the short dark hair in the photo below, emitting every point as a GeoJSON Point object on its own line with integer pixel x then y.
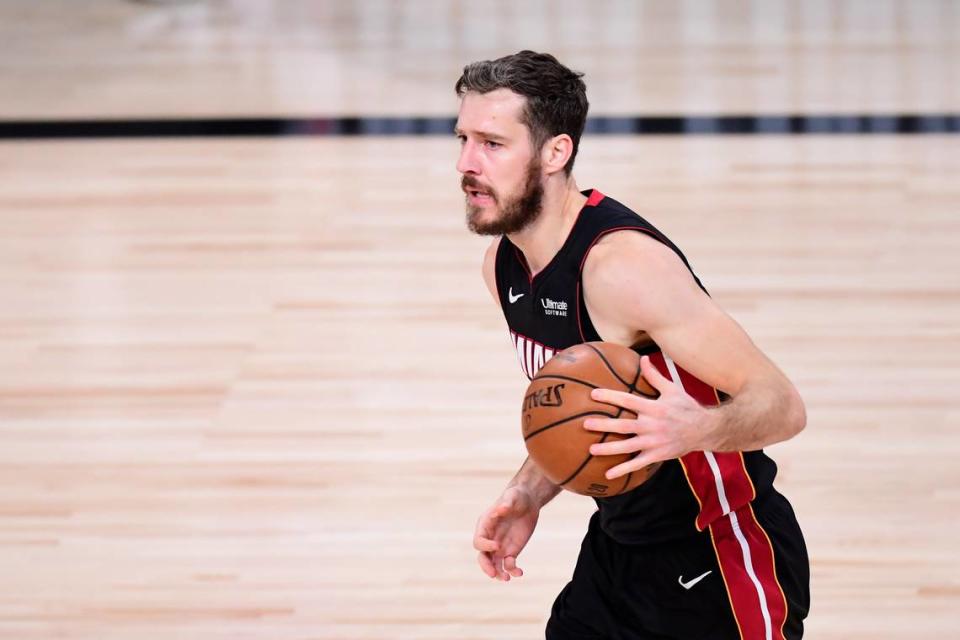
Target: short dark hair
{"type": "Point", "coordinates": [556, 96]}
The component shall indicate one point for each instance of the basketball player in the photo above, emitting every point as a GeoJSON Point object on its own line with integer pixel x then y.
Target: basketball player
{"type": "Point", "coordinates": [706, 548]}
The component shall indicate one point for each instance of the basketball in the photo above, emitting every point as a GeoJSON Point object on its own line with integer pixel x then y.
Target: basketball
{"type": "Point", "coordinates": [558, 401]}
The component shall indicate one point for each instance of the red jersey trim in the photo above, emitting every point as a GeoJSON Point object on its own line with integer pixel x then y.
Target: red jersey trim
{"type": "Point", "coordinates": [592, 200]}
{"type": "Point", "coordinates": [595, 198]}
{"type": "Point", "coordinates": [600, 235]}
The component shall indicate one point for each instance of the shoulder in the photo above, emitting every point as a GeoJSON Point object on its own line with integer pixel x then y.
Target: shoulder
{"type": "Point", "coordinates": [637, 275]}
{"type": "Point", "coordinates": [629, 253]}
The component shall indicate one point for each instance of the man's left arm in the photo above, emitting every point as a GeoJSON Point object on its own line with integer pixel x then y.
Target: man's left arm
{"type": "Point", "coordinates": [634, 283]}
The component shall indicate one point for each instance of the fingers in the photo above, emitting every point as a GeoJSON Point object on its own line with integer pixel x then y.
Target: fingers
{"type": "Point", "coordinates": [635, 464]}
{"type": "Point", "coordinates": [485, 545]}
{"type": "Point", "coordinates": [498, 565]}
{"type": "Point", "coordinates": [652, 375]}
{"type": "Point", "coordinates": [625, 400]}
{"type": "Point", "coordinates": [627, 445]}
{"type": "Point", "coordinates": [483, 534]}
{"type": "Point", "coordinates": [493, 532]}
{"type": "Point", "coordinates": [484, 542]}
{"type": "Point", "coordinates": [486, 564]}
{"type": "Point", "coordinates": [491, 563]}
{"type": "Point", "coordinates": [633, 402]}
{"type": "Point", "coordinates": [616, 425]}
{"type": "Point", "coordinates": [510, 565]}
{"type": "Point", "coordinates": [487, 525]}
{"type": "Point", "coordinates": [494, 564]}
{"type": "Point", "coordinates": [504, 568]}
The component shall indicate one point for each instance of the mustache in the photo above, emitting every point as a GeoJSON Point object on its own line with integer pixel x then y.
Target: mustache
{"type": "Point", "coordinates": [471, 182]}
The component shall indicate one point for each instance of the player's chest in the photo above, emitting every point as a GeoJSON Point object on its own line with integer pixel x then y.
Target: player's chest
{"type": "Point", "coordinates": [542, 312]}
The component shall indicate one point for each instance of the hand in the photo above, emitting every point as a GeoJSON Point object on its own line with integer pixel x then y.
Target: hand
{"type": "Point", "coordinates": [669, 427]}
{"type": "Point", "coordinates": [503, 531]}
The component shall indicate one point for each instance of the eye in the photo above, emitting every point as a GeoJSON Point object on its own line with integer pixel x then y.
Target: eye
{"type": "Point", "coordinates": [462, 138]}
{"type": "Point", "coordinates": [490, 144]}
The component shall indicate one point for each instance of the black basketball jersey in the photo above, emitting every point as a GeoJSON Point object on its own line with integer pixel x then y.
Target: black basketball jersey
{"type": "Point", "coordinates": [546, 313]}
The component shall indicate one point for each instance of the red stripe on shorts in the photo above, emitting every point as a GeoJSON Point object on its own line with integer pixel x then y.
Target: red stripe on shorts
{"type": "Point", "coordinates": [720, 490]}
{"type": "Point", "coordinates": [749, 573]}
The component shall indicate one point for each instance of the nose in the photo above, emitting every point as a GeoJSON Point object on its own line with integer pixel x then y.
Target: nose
{"type": "Point", "coordinates": [468, 159]}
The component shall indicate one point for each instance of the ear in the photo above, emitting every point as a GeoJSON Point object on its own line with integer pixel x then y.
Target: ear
{"type": "Point", "coordinates": [555, 153]}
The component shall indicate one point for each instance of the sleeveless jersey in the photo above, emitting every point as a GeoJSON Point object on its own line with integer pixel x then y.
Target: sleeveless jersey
{"type": "Point", "coordinates": [546, 313]}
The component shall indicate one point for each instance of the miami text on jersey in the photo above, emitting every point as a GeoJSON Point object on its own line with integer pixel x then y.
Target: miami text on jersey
{"type": "Point", "coordinates": [531, 354]}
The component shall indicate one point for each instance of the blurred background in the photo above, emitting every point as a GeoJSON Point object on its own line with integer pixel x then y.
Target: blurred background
{"type": "Point", "coordinates": [252, 385]}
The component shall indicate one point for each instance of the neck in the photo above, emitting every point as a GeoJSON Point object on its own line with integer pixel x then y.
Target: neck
{"type": "Point", "coordinates": [540, 241]}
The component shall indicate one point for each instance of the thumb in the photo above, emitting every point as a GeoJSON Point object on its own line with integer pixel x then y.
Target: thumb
{"type": "Point", "coordinates": [514, 501]}
{"type": "Point", "coordinates": [652, 375]}
{"type": "Point", "coordinates": [507, 504]}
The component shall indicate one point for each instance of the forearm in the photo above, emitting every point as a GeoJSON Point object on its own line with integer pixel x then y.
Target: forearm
{"type": "Point", "coordinates": [760, 415]}
{"type": "Point", "coordinates": [531, 479]}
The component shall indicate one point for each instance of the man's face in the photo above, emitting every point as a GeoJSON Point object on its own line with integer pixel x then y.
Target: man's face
{"type": "Point", "coordinates": [502, 176]}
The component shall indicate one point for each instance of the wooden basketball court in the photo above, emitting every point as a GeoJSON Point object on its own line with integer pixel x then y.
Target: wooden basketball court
{"type": "Point", "coordinates": [255, 388]}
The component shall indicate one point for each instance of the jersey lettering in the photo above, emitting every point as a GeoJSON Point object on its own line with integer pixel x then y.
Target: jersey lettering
{"type": "Point", "coordinates": [531, 354]}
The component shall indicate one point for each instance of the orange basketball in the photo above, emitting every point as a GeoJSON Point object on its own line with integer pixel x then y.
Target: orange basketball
{"type": "Point", "coordinates": [558, 401]}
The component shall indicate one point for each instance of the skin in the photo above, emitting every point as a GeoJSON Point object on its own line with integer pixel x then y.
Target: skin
{"type": "Point", "coordinates": [635, 289]}
{"type": "Point", "coordinates": [495, 152]}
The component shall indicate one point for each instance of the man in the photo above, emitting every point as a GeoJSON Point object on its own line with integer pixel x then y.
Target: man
{"type": "Point", "coordinates": [706, 548]}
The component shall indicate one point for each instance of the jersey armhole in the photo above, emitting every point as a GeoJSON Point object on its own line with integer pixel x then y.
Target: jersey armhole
{"type": "Point", "coordinates": [583, 317]}
{"type": "Point", "coordinates": [496, 272]}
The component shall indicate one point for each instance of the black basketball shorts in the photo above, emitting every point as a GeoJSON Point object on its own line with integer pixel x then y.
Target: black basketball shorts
{"type": "Point", "coordinates": [746, 578]}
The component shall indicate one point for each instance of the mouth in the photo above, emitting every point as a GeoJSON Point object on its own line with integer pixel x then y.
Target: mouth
{"type": "Point", "coordinates": [478, 197]}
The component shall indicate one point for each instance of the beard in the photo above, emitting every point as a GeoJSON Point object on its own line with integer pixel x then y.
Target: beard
{"type": "Point", "coordinates": [515, 213]}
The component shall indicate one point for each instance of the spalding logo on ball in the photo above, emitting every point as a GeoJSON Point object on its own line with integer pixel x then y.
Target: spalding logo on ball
{"type": "Point", "coordinates": [558, 401]}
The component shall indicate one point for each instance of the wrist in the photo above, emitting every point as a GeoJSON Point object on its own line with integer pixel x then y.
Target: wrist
{"type": "Point", "coordinates": [536, 492]}
{"type": "Point", "coordinates": [710, 430]}
{"type": "Point", "coordinates": [535, 486]}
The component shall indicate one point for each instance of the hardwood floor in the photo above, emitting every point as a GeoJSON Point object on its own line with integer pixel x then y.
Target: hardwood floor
{"type": "Point", "coordinates": [256, 389]}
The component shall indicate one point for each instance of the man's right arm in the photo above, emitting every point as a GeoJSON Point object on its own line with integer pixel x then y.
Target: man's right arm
{"type": "Point", "coordinates": [504, 529]}
{"type": "Point", "coordinates": [529, 478]}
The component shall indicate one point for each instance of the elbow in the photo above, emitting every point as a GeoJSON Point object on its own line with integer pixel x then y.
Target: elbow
{"type": "Point", "coordinates": [796, 413]}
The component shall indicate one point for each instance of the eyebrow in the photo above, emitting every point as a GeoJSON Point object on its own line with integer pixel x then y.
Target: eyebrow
{"type": "Point", "coordinates": [483, 134]}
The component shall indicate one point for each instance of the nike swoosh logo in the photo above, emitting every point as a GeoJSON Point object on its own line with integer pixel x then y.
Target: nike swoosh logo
{"type": "Point", "coordinates": [514, 298]}
{"type": "Point", "coordinates": [688, 585]}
